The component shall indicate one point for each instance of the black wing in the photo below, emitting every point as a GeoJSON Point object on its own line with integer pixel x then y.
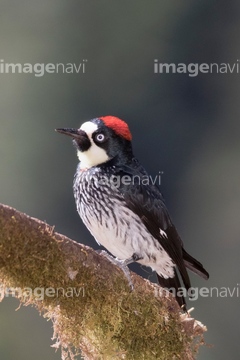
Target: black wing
{"type": "Point", "coordinates": [146, 200]}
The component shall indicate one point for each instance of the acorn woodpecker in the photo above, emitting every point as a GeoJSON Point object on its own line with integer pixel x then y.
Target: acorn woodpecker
{"type": "Point", "coordinates": [123, 210]}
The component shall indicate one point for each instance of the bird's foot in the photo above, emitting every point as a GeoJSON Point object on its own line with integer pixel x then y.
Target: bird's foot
{"type": "Point", "coordinates": [122, 264]}
{"type": "Point", "coordinates": [135, 257]}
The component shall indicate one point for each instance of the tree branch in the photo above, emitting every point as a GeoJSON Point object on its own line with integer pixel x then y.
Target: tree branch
{"type": "Point", "coordinates": [88, 298]}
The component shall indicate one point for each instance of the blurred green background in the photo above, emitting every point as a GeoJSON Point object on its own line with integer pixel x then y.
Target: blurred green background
{"type": "Point", "coordinates": [187, 127]}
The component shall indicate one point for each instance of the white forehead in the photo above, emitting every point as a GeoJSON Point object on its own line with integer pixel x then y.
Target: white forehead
{"type": "Point", "coordinates": [89, 127]}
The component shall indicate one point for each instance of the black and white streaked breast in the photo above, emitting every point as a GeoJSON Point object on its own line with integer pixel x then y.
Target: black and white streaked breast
{"type": "Point", "coordinates": [105, 213]}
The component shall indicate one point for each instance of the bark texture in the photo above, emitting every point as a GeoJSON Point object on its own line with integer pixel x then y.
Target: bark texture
{"type": "Point", "coordinates": [88, 298]}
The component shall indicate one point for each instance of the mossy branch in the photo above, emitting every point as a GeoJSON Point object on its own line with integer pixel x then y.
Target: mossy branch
{"type": "Point", "coordinates": [88, 298]}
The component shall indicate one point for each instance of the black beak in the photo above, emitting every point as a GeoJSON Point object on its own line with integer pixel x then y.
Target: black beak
{"type": "Point", "coordinates": [80, 138]}
{"type": "Point", "coordinates": [74, 133]}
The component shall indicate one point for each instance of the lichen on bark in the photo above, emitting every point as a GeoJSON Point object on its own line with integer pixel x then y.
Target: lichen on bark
{"type": "Point", "coordinates": [88, 298]}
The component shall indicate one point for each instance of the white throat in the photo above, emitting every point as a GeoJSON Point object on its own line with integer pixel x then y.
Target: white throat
{"type": "Point", "coordinates": [94, 155]}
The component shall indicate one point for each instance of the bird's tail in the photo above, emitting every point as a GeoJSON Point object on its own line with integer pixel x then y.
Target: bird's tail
{"type": "Point", "coordinates": [194, 265]}
{"type": "Point", "coordinates": [173, 285]}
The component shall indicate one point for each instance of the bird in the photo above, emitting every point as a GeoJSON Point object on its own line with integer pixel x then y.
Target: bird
{"type": "Point", "coordinates": [125, 211]}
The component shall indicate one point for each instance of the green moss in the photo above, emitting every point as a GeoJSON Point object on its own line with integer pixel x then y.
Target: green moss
{"type": "Point", "coordinates": [106, 321]}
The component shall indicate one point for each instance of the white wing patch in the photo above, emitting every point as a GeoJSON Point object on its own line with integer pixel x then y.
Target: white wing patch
{"type": "Point", "coordinates": [163, 234]}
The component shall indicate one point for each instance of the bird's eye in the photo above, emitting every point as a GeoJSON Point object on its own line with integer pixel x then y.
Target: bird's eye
{"type": "Point", "coordinates": [100, 137]}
